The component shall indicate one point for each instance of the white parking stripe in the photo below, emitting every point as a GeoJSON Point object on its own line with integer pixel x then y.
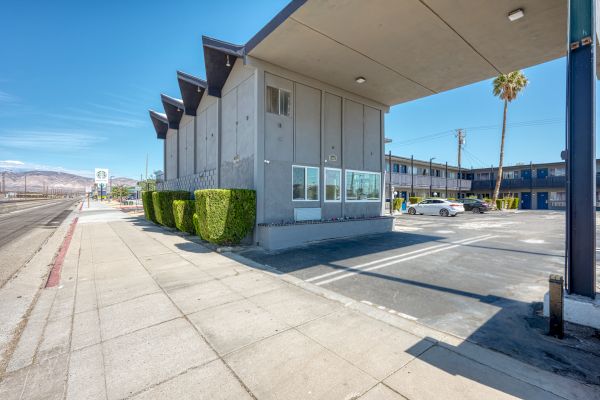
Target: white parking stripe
{"type": "Point", "coordinates": [337, 278]}
{"type": "Point", "coordinates": [341, 270]}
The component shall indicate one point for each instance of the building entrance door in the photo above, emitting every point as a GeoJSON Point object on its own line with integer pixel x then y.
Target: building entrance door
{"type": "Point", "coordinates": [542, 200]}
{"type": "Point", "coordinates": [526, 201]}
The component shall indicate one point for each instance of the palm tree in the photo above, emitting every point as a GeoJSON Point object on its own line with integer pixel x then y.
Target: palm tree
{"type": "Point", "coordinates": [507, 87]}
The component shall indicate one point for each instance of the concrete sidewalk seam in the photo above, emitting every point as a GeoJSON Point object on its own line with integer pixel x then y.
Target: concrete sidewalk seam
{"type": "Point", "coordinates": [200, 334]}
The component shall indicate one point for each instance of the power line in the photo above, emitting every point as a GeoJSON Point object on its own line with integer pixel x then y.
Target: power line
{"type": "Point", "coordinates": [520, 124]}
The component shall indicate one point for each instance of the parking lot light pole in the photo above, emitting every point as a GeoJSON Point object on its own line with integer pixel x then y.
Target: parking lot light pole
{"type": "Point", "coordinates": [580, 260]}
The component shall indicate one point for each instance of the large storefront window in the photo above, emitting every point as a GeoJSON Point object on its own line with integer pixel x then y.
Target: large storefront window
{"type": "Point", "coordinates": [333, 184]}
{"type": "Point", "coordinates": [305, 183]}
{"type": "Point", "coordinates": [363, 186]}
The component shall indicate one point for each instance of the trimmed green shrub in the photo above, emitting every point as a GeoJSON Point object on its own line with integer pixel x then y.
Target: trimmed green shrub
{"type": "Point", "coordinates": [415, 200]}
{"type": "Point", "coordinates": [398, 204]}
{"type": "Point", "coordinates": [148, 206]}
{"type": "Point", "coordinates": [196, 222]}
{"type": "Point", "coordinates": [163, 205]}
{"type": "Point", "coordinates": [499, 204]}
{"type": "Point", "coordinates": [225, 216]}
{"type": "Point", "coordinates": [515, 204]}
{"type": "Point", "coordinates": [183, 211]}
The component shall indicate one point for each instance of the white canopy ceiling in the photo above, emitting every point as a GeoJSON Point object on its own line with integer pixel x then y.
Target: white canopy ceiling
{"type": "Point", "coordinates": [407, 49]}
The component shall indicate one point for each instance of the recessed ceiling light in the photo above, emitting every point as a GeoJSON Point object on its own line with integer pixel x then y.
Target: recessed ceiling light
{"type": "Point", "coordinates": [515, 15]}
{"type": "Point", "coordinates": [360, 79]}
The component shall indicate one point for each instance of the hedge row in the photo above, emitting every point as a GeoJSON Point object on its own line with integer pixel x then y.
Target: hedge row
{"type": "Point", "coordinates": [148, 206]}
{"type": "Point", "coordinates": [398, 203]}
{"type": "Point", "coordinates": [183, 211]}
{"type": "Point", "coordinates": [163, 205]}
{"type": "Point", "coordinates": [225, 216]}
{"type": "Point", "coordinates": [221, 216]}
{"type": "Point", "coordinates": [415, 200]}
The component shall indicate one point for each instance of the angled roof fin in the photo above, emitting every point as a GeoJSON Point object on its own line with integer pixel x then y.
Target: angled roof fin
{"type": "Point", "coordinates": [160, 122]}
{"type": "Point", "coordinates": [219, 58]}
{"type": "Point", "coordinates": [192, 89]}
{"type": "Point", "coordinates": [174, 110]}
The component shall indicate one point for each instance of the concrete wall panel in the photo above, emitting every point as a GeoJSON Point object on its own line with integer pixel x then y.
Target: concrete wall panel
{"type": "Point", "coordinates": [307, 121]}
{"type": "Point", "coordinates": [228, 129]}
{"type": "Point", "coordinates": [245, 116]}
{"type": "Point", "coordinates": [171, 172]}
{"type": "Point", "coordinates": [239, 73]}
{"type": "Point", "coordinates": [279, 129]}
{"type": "Point", "coordinates": [201, 144]}
{"type": "Point", "coordinates": [372, 139]}
{"type": "Point", "coordinates": [212, 132]}
{"type": "Point", "coordinates": [333, 130]}
{"type": "Point", "coordinates": [353, 135]}
{"type": "Point", "coordinates": [278, 192]}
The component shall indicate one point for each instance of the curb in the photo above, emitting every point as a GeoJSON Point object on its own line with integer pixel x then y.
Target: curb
{"type": "Point", "coordinates": [54, 276]}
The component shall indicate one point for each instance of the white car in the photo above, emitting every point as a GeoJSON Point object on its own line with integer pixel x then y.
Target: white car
{"type": "Point", "coordinates": [442, 207]}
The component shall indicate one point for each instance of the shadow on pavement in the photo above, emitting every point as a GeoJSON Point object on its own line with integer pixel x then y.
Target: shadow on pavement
{"type": "Point", "coordinates": [517, 329]}
{"type": "Point", "coordinates": [330, 252]}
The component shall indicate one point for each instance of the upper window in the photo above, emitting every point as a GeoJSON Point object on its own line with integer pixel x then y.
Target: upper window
{"type": "Point", "coordinates": [333, 184]}
{"type": "Point", "coordinates": [363, 186]}
{"type": "Point", "coordinates": [278, 101]}
{"type": "Point", "coordinates": [305, 185]}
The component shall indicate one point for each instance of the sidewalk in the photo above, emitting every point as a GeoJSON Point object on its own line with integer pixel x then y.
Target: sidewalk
{"type": "Point", "coordinates": [142, 312]}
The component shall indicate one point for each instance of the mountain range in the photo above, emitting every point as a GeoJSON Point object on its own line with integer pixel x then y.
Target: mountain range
{"type": "Point", "coordinates": [46, 181]}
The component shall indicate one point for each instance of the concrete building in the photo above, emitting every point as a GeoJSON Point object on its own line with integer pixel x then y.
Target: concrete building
{"type": "Point", "coordinates": [538, 186]}
{"type": "Point", "coordinates": [312, 151]}
{"type": "Point", "coordinates": [412, 177]}
{"type": "Point", "coordinates": [296, 113]}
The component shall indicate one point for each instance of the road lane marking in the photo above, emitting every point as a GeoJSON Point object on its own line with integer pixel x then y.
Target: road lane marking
{"type": "Point", "coordinates": [342, 270]}
{"type": "Point", "coordinates": [361, 271]}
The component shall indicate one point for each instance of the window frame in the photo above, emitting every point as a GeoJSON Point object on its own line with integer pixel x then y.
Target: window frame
{"type": "Point", "coordinates": [306, 167]}
{"type": "Point", "coordinates": [279, 97]}
{"type": "Point", "coordinates": [325, 184]}
{"type": "Point", "coordinates": [361, 200]}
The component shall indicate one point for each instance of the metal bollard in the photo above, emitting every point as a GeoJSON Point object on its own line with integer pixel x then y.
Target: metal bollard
{"type": "Point", "coordinates": [555, 301]}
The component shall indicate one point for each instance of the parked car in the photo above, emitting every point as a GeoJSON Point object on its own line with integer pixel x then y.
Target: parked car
{"type": "Point", "coordinates": [476, 206]}
{"type": "Point", "coordinates": [441, 207]}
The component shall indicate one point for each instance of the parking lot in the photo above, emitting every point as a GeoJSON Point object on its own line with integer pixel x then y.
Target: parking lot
{"type": "Point", "coordinates": [478, 276]}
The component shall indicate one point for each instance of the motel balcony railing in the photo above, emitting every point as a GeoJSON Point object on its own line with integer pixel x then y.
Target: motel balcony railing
{"type": "Point", "coordinates": [558, 182]}
{"type": "Point", "coordinates": [423, 181]}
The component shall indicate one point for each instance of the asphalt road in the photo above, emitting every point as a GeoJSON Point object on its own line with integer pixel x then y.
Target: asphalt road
{"type": "Point", "coordinates": [25, 229]}
{"type": "Point", "coordinates": [480, 277]}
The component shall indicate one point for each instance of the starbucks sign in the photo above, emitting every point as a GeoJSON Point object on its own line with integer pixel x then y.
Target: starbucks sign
{"type": "Point", "coordinates": [101, 176]}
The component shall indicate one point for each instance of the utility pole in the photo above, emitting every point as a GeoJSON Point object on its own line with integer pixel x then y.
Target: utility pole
{"type": "Point", "coordinates": [25, 176]}
{"type": "Point", "coordinates": [412, 177]}
{"type": "Point", "coordinates": [3, 182]}
{"type": "Point", "coordinates": [431, 177]}
{"type": "Point", "coordinates": [147, 183]}
{"type": "Point", "coordinates": [461, 141]}
{"type": "Point", "coordinates": [446, 175]}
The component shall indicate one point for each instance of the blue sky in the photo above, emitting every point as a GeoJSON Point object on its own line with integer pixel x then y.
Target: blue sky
{"type": "Point", "coordinates": [77, 79]}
